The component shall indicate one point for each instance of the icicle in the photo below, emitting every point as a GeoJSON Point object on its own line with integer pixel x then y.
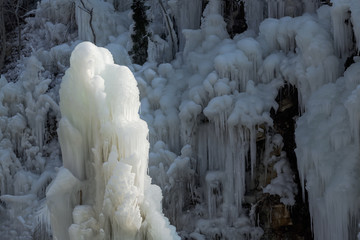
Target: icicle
{"type": "Point", "coordinates": [187, 16]}
{"type": "Point", "coordinates": [327, 138]}
{"type": "Point", "coordinates": [252, 140]}
{"type": "Point", "coordinates": [353, 111]}
{"type": "Point", "coordinates": [235, 66]}
{"type": "Point", "coordinates": [213, 23]}
{"type": "Point", "coordinates": [342, 32]}
{"type": "Point", "coordinates": [254, 13]}
{"type": "Point", "coordinates": [355, 20]}
{"type": "Point", "coordinates": [252, 50]}
{"type": "Point", "coordinates": [214, 181]}
{"type": "Point", "coordinates": [276, 9]}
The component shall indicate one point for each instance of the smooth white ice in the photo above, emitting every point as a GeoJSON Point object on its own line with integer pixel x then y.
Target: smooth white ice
{"type": "Point", "coordinates": [105, 151]}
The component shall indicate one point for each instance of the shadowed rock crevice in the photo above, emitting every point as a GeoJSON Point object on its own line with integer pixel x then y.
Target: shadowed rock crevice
{"type": "Point", "coordinates": [286, 222]}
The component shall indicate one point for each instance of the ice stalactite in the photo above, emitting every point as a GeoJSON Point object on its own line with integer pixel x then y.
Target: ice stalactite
{"type": "Point", "coordinates": [213, 23]}
{"type": "Point", "coordinates": [176, 177]}
{"type": "Point", "coordinates": [354, 118]}
{"type": "Point", "coordinates": [355, 20]}
{"type": "Point", "coordinates": [345, 22]}
{"type": "Point", "coordinates": [103, 190]}
{"type": "Point", "coordinates": [50, 10]}
{"type": "Point", "coordinates": [224, 102]}
{"type": "Point", "coordinates": [226, 152]}
{"type": "Point", "coordinates": [97, 20]}
{"type": "Point", "coordinates": [28, 153]}
{"type": "Point", "coordinates": [328, 157]}
{"type": "Point", "coordinates": [254, 13]}
{"type": "Point", "coordinates": [37, 103]}
{"type": "Point", "coordinates": [120, 5]}
{"type": "Point", "coordinates": [342, 30]}
{"type": "Point", "coordinates": [180, 17]}
{"type": "Point", "coordinates": [283, 184]}
{"type": "Point", "coordinates": [304, 67]}
{"type": "Point", "coordinates": [258, 10]}
{"type": "Point", "coordinates": [187, 15]}
{"type": "Point", "coordinates": [276, 9]}
{"type": "Point", "coordinates": [282, 8]}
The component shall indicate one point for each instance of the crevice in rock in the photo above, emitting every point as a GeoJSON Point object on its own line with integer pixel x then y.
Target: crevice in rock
{"type": "Point", "coordinates": [297, 218]}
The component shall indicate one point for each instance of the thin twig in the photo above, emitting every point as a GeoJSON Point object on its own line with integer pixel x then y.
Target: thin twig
{"type": "Point", "coordinates": [18, 25]}
{"type": "Point", "coordinates": [167, 18]}
{"type": "Point", "coordinates": [90, 12]}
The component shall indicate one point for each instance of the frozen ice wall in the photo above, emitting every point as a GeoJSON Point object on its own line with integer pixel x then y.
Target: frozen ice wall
{"type": "Point", "coordinates": [345, 21]}
{"type": "Point", "coordinates": [168, 19]}
{"type": "Point", "coordinates": [217, 96]}
{"type": "Point", "coordinates": [206, 111]}
{"type": "Point", "coordinates": [97, 21]}
{"type": "Point", "coordinates": [187, 16]}
{"type": "Point", "coordinates": [327, 137]}
{"type": "Point", "coordinates": [103, 191]}
{"type": "Point", "coordinates": [27, 154]}
{"type": "Point", "coordinates": [172, 19]}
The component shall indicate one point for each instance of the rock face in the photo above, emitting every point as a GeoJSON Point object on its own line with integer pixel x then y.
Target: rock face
{"type": "Point", "coordinates": [235, 17]}
{"type": "Point", "coordinates": [277, 220]}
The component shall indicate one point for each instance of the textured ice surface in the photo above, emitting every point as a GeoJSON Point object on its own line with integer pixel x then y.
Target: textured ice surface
{"type": "Point", "coordinates": [328, 156]}
{"type": "Point", "coordinates": [105, 155]}
{"type": "Point", "coordinates": [203, 110]}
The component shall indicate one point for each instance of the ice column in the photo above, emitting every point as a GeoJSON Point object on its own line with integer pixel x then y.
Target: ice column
{"type": "Point", "coordinates": [187, 14]}
{"type": "Point", "coordinates": [342, 32]}
{"type": "Point", "coordinates": [327, 139]}
{"type": "Point", "coordinates": [105, 155]}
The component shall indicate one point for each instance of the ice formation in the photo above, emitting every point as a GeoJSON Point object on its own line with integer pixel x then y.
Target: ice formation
{"type": "Point", "coordinates": [283, 184]}
{"type": "Point", "coordinates": [28, 154]}
{"type": "Point", "coordinates": [219, 114]}
{"type": "Point", "coordinates": [220, 107]}
{"type": "Point", "coordinates": [207, 100]}
{"type": "Point", "coordinates": [103, 191]}
{"type": "Point", "coordinates": [327, 148]}
{"type": "Point", "coordinates": [98, 20]}
{"type": "Point", "coordinates": [327, 139]}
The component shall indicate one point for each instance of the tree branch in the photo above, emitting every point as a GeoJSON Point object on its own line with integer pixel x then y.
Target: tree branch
{"type": "Point", "coordinates": [169, 25]}
{"type": "Point", "coordinates": [18, 26]}
{"type": "Point", "coordinates": [90, 12]}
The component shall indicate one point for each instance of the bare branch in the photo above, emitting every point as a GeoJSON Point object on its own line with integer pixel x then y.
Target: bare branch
{"type": "Point", "coordinates": [170, 27]}
{"type": "Point", "coordinates": [90, 12]}
{"type": "Point", "coordinates": [18, 25]}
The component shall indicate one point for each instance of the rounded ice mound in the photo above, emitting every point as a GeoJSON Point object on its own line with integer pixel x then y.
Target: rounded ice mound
{"type": "Point", "coordinates": [96, 75]}
{"type": "Point", "coordinates": [88, 57]}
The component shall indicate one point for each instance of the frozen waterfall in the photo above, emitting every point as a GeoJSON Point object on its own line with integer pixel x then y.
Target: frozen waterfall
{"type": "Point", "coordinates": [248, 123]}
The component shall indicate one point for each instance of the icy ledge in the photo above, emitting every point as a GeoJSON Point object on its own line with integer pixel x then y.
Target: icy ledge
{"type": "Point", "coordinates": [103, 191]}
